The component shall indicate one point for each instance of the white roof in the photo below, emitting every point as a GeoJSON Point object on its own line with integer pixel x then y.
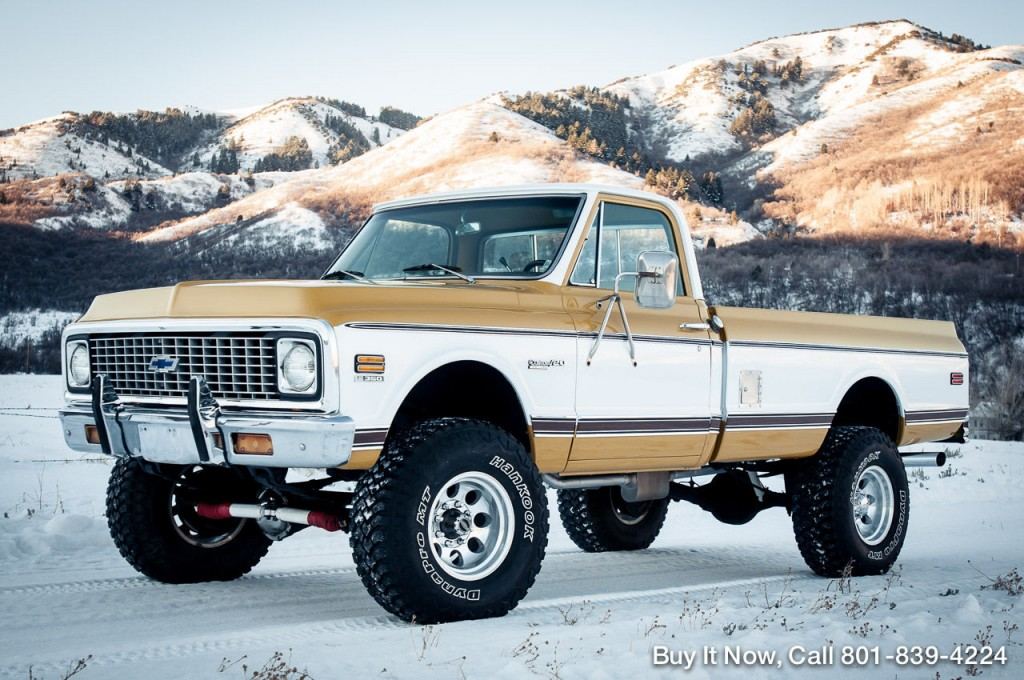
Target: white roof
{"type": "Point", "coordinates": [520, 190]}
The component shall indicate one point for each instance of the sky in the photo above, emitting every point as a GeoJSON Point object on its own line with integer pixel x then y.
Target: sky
{"type": "Point", "coordinates": [421, 56]}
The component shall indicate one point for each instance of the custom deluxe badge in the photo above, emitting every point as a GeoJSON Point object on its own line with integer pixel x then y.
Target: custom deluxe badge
{"type": "Point", "coordinates": [544, 364]}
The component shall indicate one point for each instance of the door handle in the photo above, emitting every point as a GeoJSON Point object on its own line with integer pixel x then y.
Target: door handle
{"type": "Point", "coordinates": [713, 324]}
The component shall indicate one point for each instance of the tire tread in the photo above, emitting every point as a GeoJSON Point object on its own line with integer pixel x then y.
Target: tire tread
{"type": "Point", "coordinates": [813, 498]}
{"type": "Point", "coordinates": [377, 492]}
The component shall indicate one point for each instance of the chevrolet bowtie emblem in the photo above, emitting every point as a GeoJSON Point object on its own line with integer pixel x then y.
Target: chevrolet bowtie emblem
{"type": "Point", "coordinates": [163, 364]}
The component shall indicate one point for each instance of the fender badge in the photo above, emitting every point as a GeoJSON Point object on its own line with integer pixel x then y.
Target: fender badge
{"type": "Point", "coordinates": [544, 364]}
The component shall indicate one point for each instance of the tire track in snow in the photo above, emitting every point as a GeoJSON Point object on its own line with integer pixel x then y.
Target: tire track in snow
{"type": "Point", "coordinates": [142, 582]}
{"type": "Point", "coordinates": [133, 582]}
{"type": "Point", "coordinates": [283, 636]}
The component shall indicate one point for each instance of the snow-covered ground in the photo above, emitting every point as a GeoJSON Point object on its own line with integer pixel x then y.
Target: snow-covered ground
{"type": "Point", "coordinates": [65, 593]}
{"type": "Point", "coordinates": [17, 327]}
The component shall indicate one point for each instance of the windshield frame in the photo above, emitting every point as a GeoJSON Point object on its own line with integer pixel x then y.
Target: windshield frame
{"type": "Point", "coordinates": [574, 224]}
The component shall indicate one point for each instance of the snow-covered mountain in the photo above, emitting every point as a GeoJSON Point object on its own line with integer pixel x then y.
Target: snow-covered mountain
{"type": "Point", "coordinates": [52, 147]}
{"type": "Point", "coordinates": [121, 146]}
{"type": "Point", "coordinates": [788, 120]}
{"type": "Point", "coordinates": [129, 172]}
{"type": "Point", "coordinates": [263, 131]}
{"type": "Point", "coordinates": [885, 125]}
{"type": "Point", "coordinates": [836, 79]}
{"type": "Point", "coordinates": [482, 144]}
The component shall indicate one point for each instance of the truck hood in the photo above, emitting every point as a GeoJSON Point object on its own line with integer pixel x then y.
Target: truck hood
{"type": "Point", "coordinates": [334, 301]}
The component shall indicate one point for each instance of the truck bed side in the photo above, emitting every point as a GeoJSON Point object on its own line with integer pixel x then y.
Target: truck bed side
{"type": "Point", "coordinates": [788, 376]}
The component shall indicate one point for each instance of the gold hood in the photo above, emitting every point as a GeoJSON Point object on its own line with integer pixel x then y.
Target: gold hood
{"type": "Point", "coordinates": [333, 301]}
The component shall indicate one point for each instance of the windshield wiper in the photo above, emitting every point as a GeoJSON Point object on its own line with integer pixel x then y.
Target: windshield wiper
{"type": "Point", "coordinates": [428, 266]}
{"type": "Point", "coordinates": [345, 274]}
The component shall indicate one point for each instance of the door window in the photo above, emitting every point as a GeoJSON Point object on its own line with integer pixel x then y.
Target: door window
{"type": "Point", "coordinates": [615, 240]}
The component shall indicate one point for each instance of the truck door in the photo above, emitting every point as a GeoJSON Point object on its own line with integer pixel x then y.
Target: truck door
{"type": "Point", "coordinates": [654, 414]}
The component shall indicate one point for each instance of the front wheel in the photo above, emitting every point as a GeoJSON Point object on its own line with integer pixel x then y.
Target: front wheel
{"type": "Point", "coordinates": [851, 504]}
{"type": "Point", "coordinates": [154, 524]}
{"type": "Point", "coordinates": [450, 523]}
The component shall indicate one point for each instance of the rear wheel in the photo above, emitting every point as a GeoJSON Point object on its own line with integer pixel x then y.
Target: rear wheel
{"type": "Point", "coordinates": [153, 522]}
{"type": "Point", "coordinates": [600, 520]}
{"type": "Point", "coordinates": [851, 504]}
{"type": "Point", "coordinates": [450, 523]}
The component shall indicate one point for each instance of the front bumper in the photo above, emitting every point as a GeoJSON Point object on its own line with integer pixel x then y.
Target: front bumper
{"type": "Point", "coordinates": [203, 434]}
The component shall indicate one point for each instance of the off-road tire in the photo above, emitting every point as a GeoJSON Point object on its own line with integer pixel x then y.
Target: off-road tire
{"type": "Point", "coordinates": [391, 539]}
{"type": "Point", "coordinates": [822, 490]}
{"type": "Point", "coordinates": [590, 518]}
{"type": "Point", "coordinates": [143, 528]}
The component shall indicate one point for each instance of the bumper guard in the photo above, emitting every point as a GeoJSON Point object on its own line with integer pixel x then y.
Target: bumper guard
{"type": "Point", "coordinates": [203, 433]}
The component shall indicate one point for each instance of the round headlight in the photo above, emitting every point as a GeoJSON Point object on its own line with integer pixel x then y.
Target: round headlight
{"type": "Point", "coordinates": [78, 365]}
{"type": "Point", "coordinates": [299, 368]}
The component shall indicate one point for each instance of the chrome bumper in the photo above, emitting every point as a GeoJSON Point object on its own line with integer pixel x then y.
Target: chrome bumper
{"type": "Point", "coordinates": [202, 433]}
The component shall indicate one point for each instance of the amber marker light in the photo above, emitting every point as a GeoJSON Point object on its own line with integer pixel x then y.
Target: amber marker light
{"type": "Point", "coordinates": [253, 444]}
{"type": "Point", "coordinates": [369, 363]}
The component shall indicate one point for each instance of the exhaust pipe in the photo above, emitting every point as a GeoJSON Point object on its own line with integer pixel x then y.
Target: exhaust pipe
{"type": "Point", "coordinates": [925, 459]}
{"type": "Point", "coordinates": [598, 481]}
{"type": "Point", "coordinates": [591, 482]}
{"type": "Point", "coordinates": [313, 518]}
{"type": "Point", "coordinates": [634, 486]}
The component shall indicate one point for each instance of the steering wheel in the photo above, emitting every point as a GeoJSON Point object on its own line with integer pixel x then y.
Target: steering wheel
{"type": "Point", "coordinates": [532, 264]}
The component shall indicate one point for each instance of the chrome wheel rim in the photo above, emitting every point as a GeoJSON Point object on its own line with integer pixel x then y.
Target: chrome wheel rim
{"type": "Point", "coordinates": [628, 513]}
{"type": "Point", "coordinates": [472, 525]}
{"type": "Point", "coordinates": [192, 528]}
{"type": "Point", "coordinates": [873, 505]}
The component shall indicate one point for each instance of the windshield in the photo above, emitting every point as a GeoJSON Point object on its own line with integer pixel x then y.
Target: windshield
{"type": "Point", "coordinates": [507, 237]}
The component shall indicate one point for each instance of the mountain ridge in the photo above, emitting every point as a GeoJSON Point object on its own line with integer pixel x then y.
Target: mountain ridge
{"type": "Point", "coordinates": [740, 139]}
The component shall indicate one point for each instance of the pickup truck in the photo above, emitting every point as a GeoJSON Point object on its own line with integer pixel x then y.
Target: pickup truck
{"type": "Point", "coordinates": [467, 350]}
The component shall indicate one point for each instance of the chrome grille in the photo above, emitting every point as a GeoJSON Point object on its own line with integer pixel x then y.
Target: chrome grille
{"type": "Point", "coordinates": [238, 366]}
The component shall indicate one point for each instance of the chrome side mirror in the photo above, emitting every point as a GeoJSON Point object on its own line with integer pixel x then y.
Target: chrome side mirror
{"type": "Point", "coordinates": [657, 272]}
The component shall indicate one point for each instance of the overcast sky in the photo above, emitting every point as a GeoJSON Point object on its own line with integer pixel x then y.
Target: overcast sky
{"type": "Point", "coordinates": [422, 56]}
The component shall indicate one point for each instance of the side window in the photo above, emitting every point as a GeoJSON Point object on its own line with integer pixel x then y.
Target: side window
{"type": "Point", "coordinates": [624, 231]}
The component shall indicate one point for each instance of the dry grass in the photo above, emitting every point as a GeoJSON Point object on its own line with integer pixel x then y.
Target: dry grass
{"type": "Point", "coordinates": [24, 201]}
{"type": "Point", "coordinates": [885, 178]}
{"type": "Point", "coordinates": [453, 171]}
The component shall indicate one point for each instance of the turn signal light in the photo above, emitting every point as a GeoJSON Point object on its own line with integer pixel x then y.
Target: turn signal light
{"type": "Point", "coordinates": [92, 435]}
{"type": "Point", "coordinates": [253, 444]}
{"type": "Point", "coordinates": [369, 363]}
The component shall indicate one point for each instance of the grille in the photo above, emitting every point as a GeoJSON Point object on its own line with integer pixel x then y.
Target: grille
{"type": "Point", "coordinates": [238, 366]}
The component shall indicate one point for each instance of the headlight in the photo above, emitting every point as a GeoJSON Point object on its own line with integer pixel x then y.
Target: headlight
{"type": "Point", "coordinates": [78, 363]}
{"type": "Point", "coordinates": [297, 366]}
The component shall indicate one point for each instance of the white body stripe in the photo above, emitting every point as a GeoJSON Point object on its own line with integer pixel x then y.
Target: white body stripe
{"type": "Point", "coordinates": [672, 379]}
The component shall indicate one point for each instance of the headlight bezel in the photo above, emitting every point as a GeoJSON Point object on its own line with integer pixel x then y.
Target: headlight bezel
{"type": "Point", "coordinates": [73, 345]}
{"type": "Point", "coordinates": [284, 347]}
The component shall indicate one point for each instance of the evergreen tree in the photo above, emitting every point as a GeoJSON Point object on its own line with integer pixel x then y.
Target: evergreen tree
{"type": "Point", "coordinates": [397, 118]}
